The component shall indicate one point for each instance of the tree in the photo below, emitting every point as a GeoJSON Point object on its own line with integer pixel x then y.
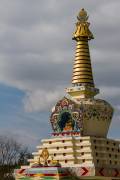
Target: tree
{"type": "Point", "coordinates": [12, 154]}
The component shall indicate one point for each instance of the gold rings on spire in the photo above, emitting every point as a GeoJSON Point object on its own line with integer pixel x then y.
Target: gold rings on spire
{"type": "Point", "coordinates": [82, 70]}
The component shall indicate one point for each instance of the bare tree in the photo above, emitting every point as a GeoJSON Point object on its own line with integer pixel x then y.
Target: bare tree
{"type": "Point", "coordinates": [12, 154]}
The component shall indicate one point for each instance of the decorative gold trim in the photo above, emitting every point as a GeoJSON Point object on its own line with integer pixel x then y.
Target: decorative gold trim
{"type": "Point", "coordinates": [82, 77]}
{"type": "Point", "coordinates": [82, 50]}
{"type": "Point", "coordinates": [82, 43]}
{"type": "Point", "coordinates": [79, 46]}
{"type": "Point", "coordinates": [82, 81]}
{"type": "Point", "coordinates": [82, 54]}
{"type": "Point", "coordinates": [82, 57]}
{"type": "Point", "coordinates": [82, 73]}
{"type": "Point", "coordinates": [82, 65]}
{"type": "Point", "coordinates": [85, 69]}
{"type": "Point", "coordinates": [82, 62]}
{"type": "Point", "coordinates": [82, 27]}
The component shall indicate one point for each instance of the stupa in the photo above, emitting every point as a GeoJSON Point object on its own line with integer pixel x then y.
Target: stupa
{"type": "Point", "coordinates": [79, 146]}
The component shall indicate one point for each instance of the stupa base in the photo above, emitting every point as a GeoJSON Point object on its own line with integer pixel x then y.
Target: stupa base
{"type": "Point", "coordinates": [41, 173]}
{"type": "Point", "coordinates": [64, 173]}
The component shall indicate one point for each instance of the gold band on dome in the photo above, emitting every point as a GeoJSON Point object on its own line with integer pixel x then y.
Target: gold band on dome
{"type": "Point", "coordinates": [85, 43]}
{"type": "Point", "coordinates": [82, 73]}
{"type": "Point", "coordinates": [85, 51]}
{"type": "Point", "coordinates": [82, 45]}
{"type": "Point", "coordinates": [82, 54]}
{"type": "Point", "coordinates": [83, 77]}
{"type": "Point", "coordinates": [82, 81]}
{"type": "Point", "coordinates": [82, 65]}
{"type": "Point", "coordinates": [82, 61]}
{"type": "Point", "coordinates": [82, 50]}
{"type": "Point", "coordinates": [82, 57]}
{"type": "Point", "coordinates": [80, 69]}
{"type": "Point", "coordinates": [86, 71]}
{"type": "Point", "coordinates": [85, 61]}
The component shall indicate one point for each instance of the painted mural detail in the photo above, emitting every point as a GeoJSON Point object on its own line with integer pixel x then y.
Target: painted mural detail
{"type": "Point", "coordinates": [68, 116]}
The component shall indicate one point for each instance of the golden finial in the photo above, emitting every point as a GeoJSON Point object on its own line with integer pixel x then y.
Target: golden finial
{"type": "Point", "coordinates": [82, 26]}
{"type": "Point", "coordinates": [82, 15]}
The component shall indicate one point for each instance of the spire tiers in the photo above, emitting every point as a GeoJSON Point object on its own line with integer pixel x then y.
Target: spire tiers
{"type": "Point", "coordinates": [82, 77]}
{"type": "Point", "coordinates": [82, 70]}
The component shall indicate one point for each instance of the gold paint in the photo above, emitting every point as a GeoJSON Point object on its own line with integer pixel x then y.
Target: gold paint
{"type": "Point", "coordinates": [82, 61]}
{"type": "Point", "coordinates": [82, 81]}
{"type": "Point", "coordinates": [82, 50]}
{"type": "Point", "coordinates": [78, 93]}
{"type": "Point", "coordinates": [86, 58]}
{"type": "Point", "coordinates": [82, 73]}
{"type": "Point", "coordinates": [82, 57]}
{"type": "Point", "coordinates": [79, 46]}
{"type": "Point", "coordinates": [82, 65]}
{"type": "Point", "coordinates": [44, 155]}
{"type": "Point", "coordinates": [82, 77]}
{"type": "Point", "coordinates": [84, 43]}
{"type": "Point", "coordinates": [82, 70]}
{"type": "Point", "coordinates": [82, 27]}
{"type": "Point", "coordinates": [82, 54]}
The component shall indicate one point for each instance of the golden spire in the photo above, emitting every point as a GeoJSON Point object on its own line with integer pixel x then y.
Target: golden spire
{"type": "Point", "coordinates": [82, 71]}
{"type": "Point", "coordinates": [82, 78]}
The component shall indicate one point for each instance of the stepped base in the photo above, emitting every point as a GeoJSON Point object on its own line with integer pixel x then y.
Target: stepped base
{"type": "Point", "coordinates": [94, 173]}
{"type": "Point", "coordinates": [75, 157]}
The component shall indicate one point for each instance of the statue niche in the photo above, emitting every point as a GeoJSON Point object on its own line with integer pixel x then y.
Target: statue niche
{"type": "Point", "coordinates": [66, 123]}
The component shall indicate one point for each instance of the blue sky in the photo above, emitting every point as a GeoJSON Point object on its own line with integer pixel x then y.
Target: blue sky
{"type": "Point", "coordinates": [36, 57]}
{"type": "Point", "coordinates": [15, 122]}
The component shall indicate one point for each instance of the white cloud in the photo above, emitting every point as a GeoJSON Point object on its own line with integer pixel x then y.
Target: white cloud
{"type": "Point", "coordinates": [42, 100]}
{"type": "Point", "coordinates": [105, 56]}
{"type": "Point", "coordinates": [107, 14]}
{"type": "Point", "coordinates": [36, 50]}
{"type": "Point", "coordinates": [118, 108]}
{"type": "Point", "coordinates": [109, 92]}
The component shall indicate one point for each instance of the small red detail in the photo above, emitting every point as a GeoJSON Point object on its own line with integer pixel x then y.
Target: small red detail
{"type": "Point", "coordinates": [21, 171]}
{"type": "Point", "coordinates": [116, 173]}
{"type": "Point", "coordinates": [85, 171]}
{"type": "Point", "coordinates": [101, 171]}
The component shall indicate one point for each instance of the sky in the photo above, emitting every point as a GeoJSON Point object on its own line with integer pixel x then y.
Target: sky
{"type": "Point", "coordinates": [36, 59]}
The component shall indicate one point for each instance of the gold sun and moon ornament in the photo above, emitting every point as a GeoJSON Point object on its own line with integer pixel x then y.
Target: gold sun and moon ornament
{"type": "Point", "coordinates": [82, 26]}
